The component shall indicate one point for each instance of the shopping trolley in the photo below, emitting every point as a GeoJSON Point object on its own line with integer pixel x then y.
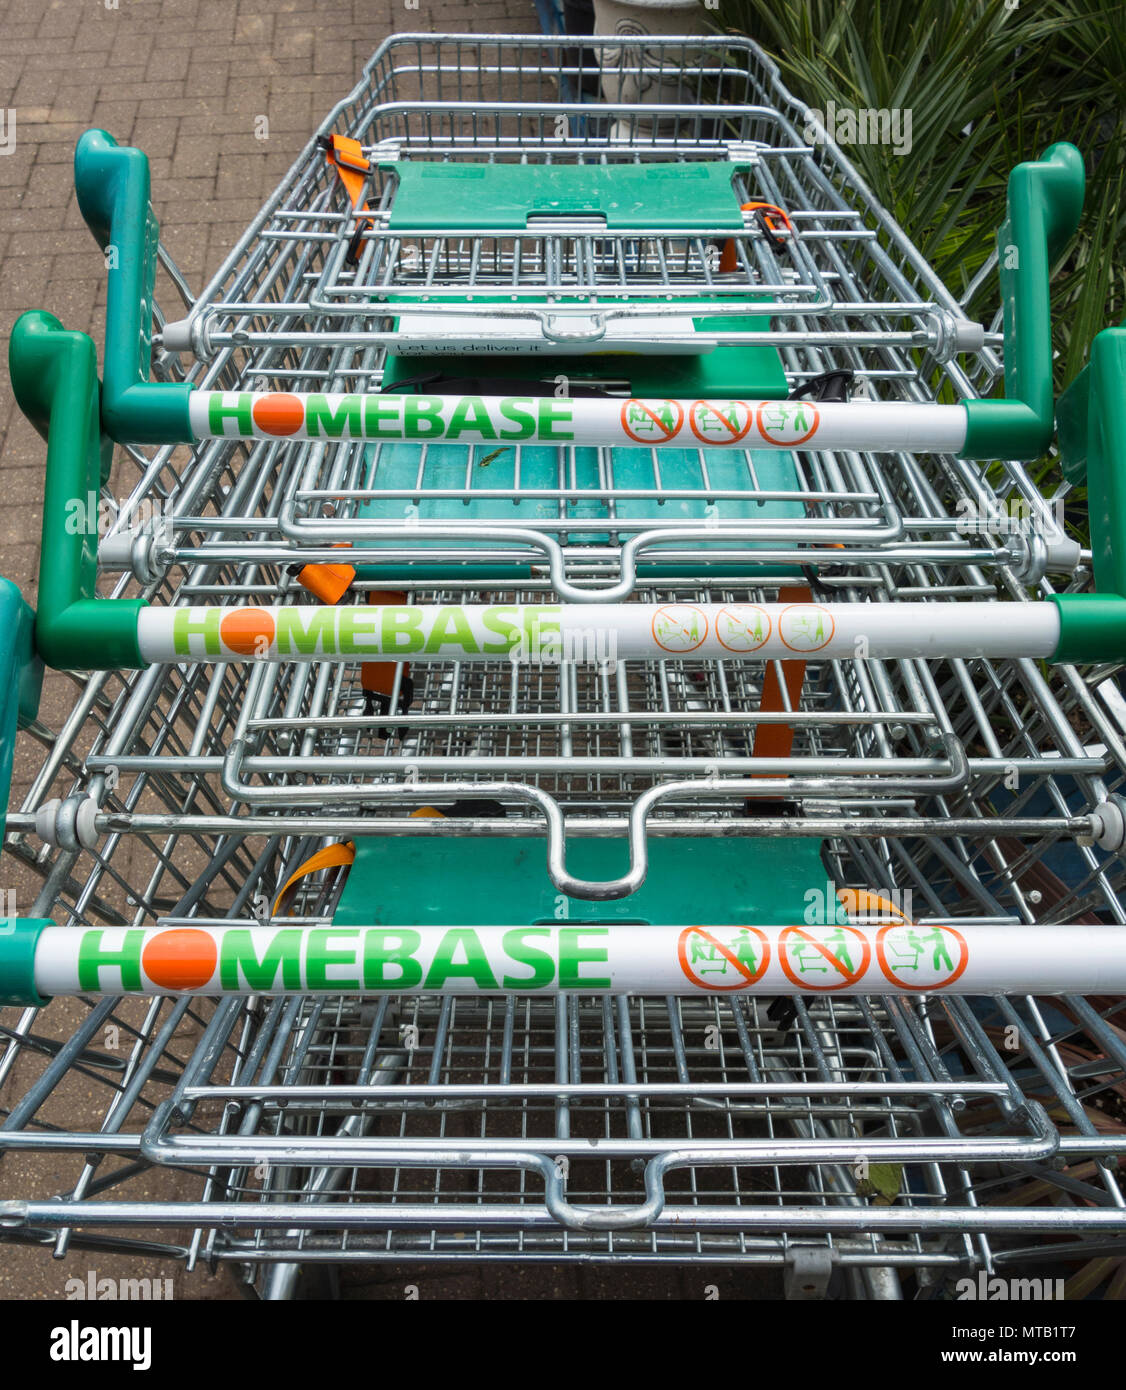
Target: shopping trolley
{"type": "Point", "coordinates": [422, 861]}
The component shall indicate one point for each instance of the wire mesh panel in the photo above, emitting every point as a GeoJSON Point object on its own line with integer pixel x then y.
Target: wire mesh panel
{"type": "Point", "coordinates": [899, 1138]}
{"type": "Point", "coordinates": [327, 293]}
{"type": "Point", "coordinates": [434, 110]}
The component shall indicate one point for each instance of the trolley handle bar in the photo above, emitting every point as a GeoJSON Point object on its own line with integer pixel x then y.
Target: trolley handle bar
{"type": "Point", "coordinates": [39, 959]}
{"type": "Point", "coordinates": [55, 379]}
{"type": "Point", "coordinates": [1045, 198]}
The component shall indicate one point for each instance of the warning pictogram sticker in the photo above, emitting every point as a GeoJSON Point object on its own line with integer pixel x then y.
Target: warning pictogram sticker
{"type": "Point", "coordinates": [806, 627]}
{"type": "Point", "coordinates": [678, 627]}
{"type": "Point", "coordinates": [921, 958]}
{"type": "Point", "coordinates": [652, 422]}
{"type": "Point", "coordinates": [788, 422]}
{"type": "Point", "coordinates": [824, 958]}
{"type": "Point", "coordinates": [723, 957]}
{"type": "Point", "coordinates": [720, 422]}
{"type": "Point", "coordinates": [742, 627]}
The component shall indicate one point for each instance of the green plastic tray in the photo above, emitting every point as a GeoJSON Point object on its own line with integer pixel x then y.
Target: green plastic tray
{"type": "Point", "coordinates": [400, 880]}
{"type": "Point", "coordinates": [452, 198]}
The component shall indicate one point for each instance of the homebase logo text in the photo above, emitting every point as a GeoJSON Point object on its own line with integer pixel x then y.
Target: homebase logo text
{"type": "Point", "coordinates": [77, 1343]}
{"type": "Point", "coordinates": [529, 633]}
{"type": "Point", "coordinates": [526, 635]}
{"type": "Point", "coordinates": [108, 1290]}
{"type": "Point", "coordinates": [319, 415]}
{"type": "Point", "coordinates": [345, 958]}
{"type": "Point", "coordinates": [996, 1289]}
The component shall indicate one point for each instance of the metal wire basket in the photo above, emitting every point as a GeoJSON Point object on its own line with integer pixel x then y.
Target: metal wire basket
{"type": "Point", "coordinates": [854, 1139]}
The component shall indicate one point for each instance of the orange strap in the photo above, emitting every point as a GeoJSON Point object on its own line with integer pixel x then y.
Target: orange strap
{"type": "Point", "coordinates": [329, 583]}
{"type": "Point", "coordinates": [729, 260]}
{"type": "Point", "coordinates": [777, 740]}
{"type": "Point", "coordinates": [331, 857]}
{"type": "Point", "coordinates": [347, 157]}
{"type": "Point", "coordinates": [858, 902]}
{"type": "Point", "coordinates": [379, 676]}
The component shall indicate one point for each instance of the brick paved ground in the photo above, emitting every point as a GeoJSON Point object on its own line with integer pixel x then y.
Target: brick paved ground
{"type": "Point", "coordinates": [185, 80]}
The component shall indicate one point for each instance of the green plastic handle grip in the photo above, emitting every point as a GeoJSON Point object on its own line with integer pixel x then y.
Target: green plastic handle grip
{"type": "Point", "coordinates": [19, 937]}
{"type": "Point", "coordinates": [1044, 204]}
{"type": "Point", "coordinates": [54, 375]}
{"type": "Point", "coordinates": [21, 680]}
{"type": "Point", "coordinates": [1093, 626]}
{"type": "Point", "coordinates": [112, 183]}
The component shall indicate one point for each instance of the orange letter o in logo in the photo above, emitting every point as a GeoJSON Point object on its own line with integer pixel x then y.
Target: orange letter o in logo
{"type": "Point", "coordinates": [247, 630]}
{"type": "Point", "coordinates": [181, 959]}
{"type": "Point", "coordinates": [279, 413]}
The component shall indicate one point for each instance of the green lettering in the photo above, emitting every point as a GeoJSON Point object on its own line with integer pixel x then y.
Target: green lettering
{"type": "Point", "coordinates": [92, 959]}
{"type": "Point", "coordinates": [509, 632]}
{"type": "Point", "coordinates": [379, 410]}
{"type": "Point", "coordinates": [519, 410]}
{"type": "Point", "coordinates": [450, 626]}
{"type": "Point", "coordinates": [552, 412]}
{"type": "Point", "coordinates": [192, 622]}
{"type": "Point", "coordinates": [294, 636]}
{"type": "Point", "coordinates": [401, 629]}
{"type": "Point", "coordinates": [357, 630]}
{"type": "Point", "coordinates": [471, 414]}
{"type": "Point", "coordinates": [238, 960]}
{"type": "Point", "coordinates": [475, 966]}
{"type": "Point", "coordinates": [384, 948]}
{"type": "Point", "coordinates": [542, 963]}
{"type": "Point", "coordinates": [419, 411]}
{"type": "Point", "coordinates": [217, 412]}
{"type": "Point", "coordinates": [572, 955]}
{"type": "Point", "coordinates": [319, 955]}
{"type": "Point", "coordinates": [323, 419]}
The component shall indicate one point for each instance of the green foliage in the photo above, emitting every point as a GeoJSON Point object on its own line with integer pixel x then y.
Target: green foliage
{"type": "Point", "coordinates": [987, 86]}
